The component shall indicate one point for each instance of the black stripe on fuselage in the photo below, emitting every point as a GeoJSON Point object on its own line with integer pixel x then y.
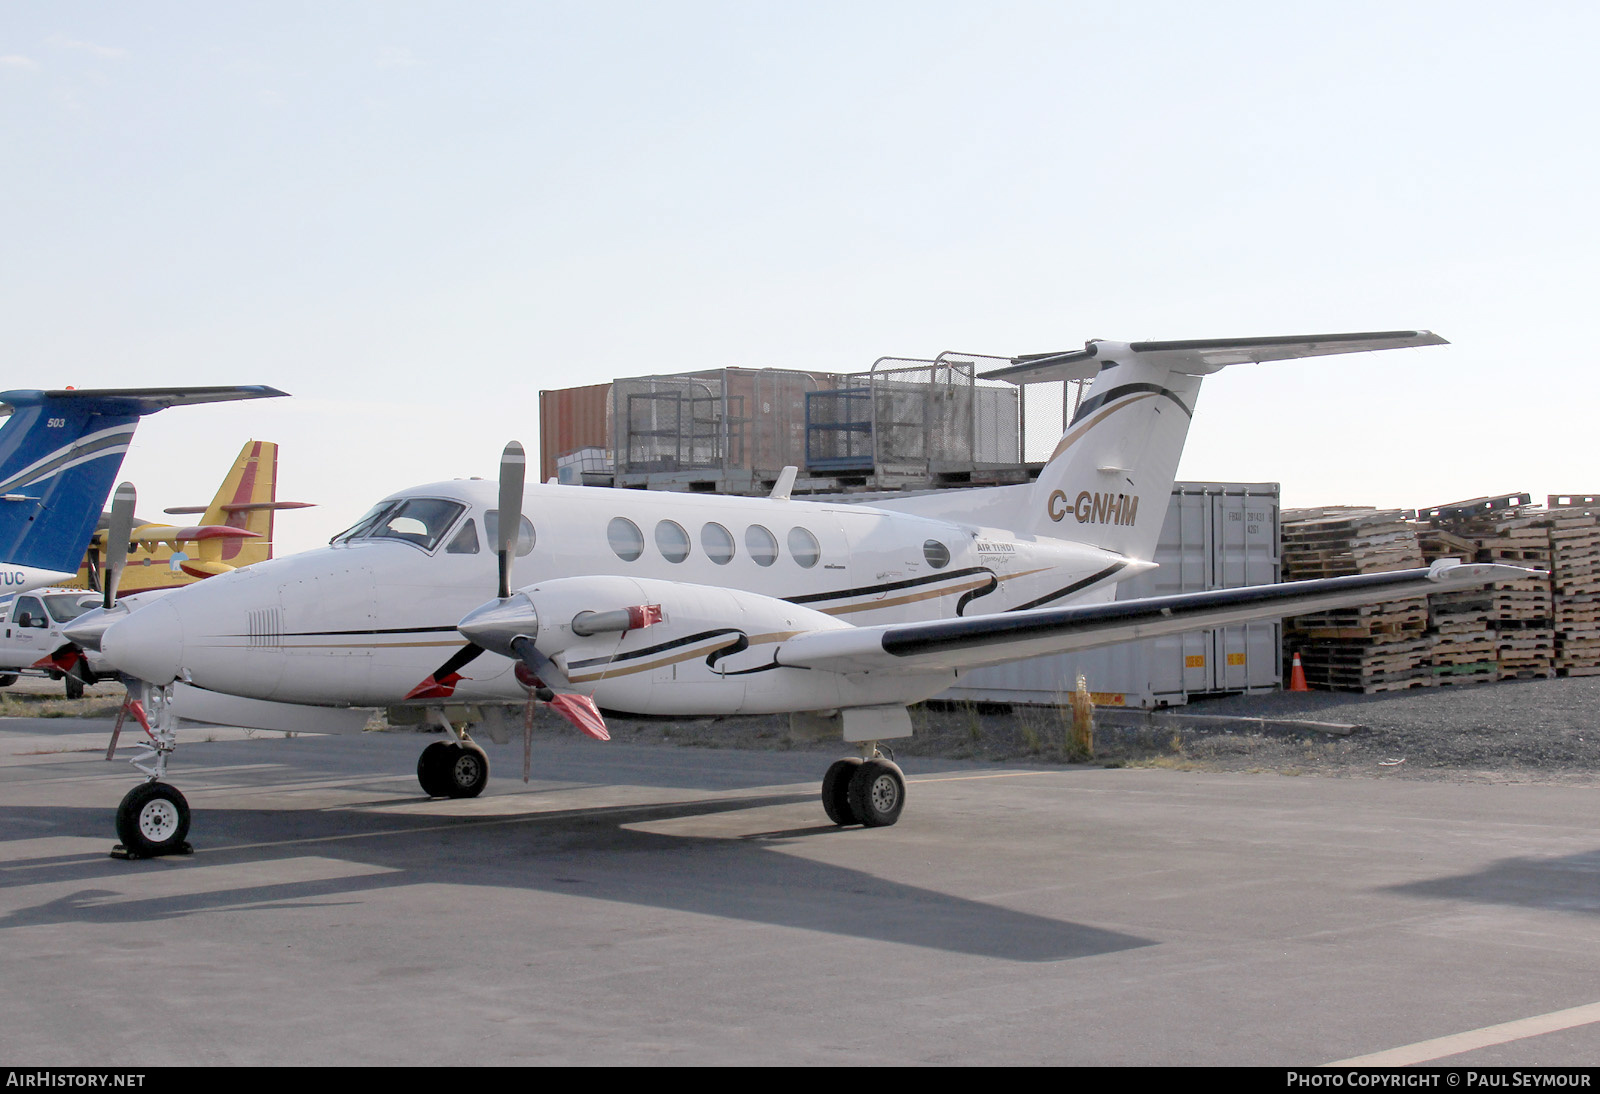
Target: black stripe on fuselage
{"type": "Point", "coordinates": [1083, 583]}
{"type": "Point", "coordinates": [888, 586]}
{"type": "Point", "coordinates": [347, 634]}
{"type": "Point", "coordinates": [647, 651]}
{"type": "Point", "coordinates": [1089, 406]}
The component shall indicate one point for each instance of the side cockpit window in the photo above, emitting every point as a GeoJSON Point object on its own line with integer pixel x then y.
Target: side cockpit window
{"type": "Point", "coordinates": [466, 541]}
{"type": "Point", "coordinates": [491, 530]}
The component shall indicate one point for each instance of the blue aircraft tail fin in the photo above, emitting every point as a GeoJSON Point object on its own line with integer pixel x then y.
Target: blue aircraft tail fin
{"type": "Point", "coordinates": [59, 455]}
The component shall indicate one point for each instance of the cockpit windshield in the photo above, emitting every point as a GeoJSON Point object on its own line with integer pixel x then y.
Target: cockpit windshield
{"type": "Point", "coordinates": [360, 526]}
{"type": "Point", "coordinates": [422, 521]}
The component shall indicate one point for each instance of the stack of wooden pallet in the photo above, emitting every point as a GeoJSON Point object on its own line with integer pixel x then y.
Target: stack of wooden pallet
{"type": "Point", "coordinates": [1464, 650]}
{"type": "Point", "coordinates": [1519, 615]}
{"type": "Point", "coordinates": [1378, 647]}
{"type": "Point", "coordinates": [1575, 584]}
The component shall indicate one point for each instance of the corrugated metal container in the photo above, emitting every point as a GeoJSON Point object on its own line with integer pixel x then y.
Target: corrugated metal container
{"type": "Point", "coordinates": [1215, 536]}
{"type": "Point", "coordinates": [570, 419]}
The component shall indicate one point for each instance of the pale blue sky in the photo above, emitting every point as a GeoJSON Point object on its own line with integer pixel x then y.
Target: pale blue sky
{"type": "Point", "coordinates": [415, 216]}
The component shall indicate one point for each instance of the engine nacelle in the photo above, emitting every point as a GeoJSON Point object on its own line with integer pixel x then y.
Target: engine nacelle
{"type": "Point", "coordinates": [711, 653]}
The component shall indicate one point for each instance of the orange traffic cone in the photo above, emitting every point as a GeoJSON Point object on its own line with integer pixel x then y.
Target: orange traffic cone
{"type": "Point", "coordinates": [1297, 676]}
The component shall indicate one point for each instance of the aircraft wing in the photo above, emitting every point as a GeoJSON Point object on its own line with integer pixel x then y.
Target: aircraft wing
{"type": "Point", "coordinates": [950, 644]}
{"type": "Point", "coordinates": [1204, 354]}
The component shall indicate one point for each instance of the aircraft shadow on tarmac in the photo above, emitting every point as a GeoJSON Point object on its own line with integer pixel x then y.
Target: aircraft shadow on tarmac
{"type": "Point", "coordinates": [1570, 883]}
{"type": "Point", "coordinates": [593, 853]}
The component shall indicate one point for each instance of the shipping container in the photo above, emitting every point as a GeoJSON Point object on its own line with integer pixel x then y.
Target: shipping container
{"type": "Point", "coordinates": [1215, 536]}
{"type": "Point", "coordinates": [570, 419]}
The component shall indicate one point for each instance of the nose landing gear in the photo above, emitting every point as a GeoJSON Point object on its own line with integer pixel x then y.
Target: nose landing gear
{"type": "Point", "coordinates": [153, 818]}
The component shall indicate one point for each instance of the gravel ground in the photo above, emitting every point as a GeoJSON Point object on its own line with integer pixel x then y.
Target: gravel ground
{"type": "Point", "coordinates": [1536, 730]}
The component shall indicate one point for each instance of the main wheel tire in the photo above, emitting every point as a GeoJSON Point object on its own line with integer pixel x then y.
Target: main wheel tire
{"type": "Point", "coordinates": [7, 680]}
{"type": "Point", "coordinates": [152, 820]}
{"type": "Point", "coordinates": [74, 687]}
{"type": "Point", "coordinates": [431, 769]}
{"type": "Point", "coordinates": [466, 771]}
{"type": "Point", "coordinates": [836, 790]}
{"type": "Point", "coordinates": [877, 793]}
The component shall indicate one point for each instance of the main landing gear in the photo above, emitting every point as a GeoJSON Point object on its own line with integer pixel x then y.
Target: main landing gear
{"type": "Point", "coordinates": [867, 790]}
{"type": "Point", "coordinates": [453, 769]}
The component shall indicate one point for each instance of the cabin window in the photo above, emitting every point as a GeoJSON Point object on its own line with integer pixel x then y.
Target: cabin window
{"type": "Point", "coordinates": [625, 538]}
{"type": "Point", "coordinates": [525, 535]}
{"type": "Point", "coordinates": [672, 541]}
{"type": "Point", "coordinates": [803, 547]}
{"type": "Point", "coordinates": [420, 521]}
{"type": "Point", "coordinates": [762, 545]}
{"type": "Point", "coordinates": [29, 606]}
{"type": "Point", "coordinates": [937, 554]}
{"type": "Point", "coordinates": [718, 543]}
{"type": "Point", "coordinates": [466, 541]}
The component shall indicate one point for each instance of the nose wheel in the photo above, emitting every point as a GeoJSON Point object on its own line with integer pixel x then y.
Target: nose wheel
{"type": "Point", "coordinates": [450, 769]}
{"type": "Point", "coordinates": [153, 820]}
{"type": "Point", "coordinates": [870, 793]}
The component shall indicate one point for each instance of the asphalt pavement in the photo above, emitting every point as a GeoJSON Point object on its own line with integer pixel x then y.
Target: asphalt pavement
{"type": "Point", "coordinates": [647, 903]}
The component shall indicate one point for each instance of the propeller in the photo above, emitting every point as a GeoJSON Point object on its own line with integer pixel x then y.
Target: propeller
{"type": "Point", "coordinates": [118, 536]}
{"type": "Point", "coordinates": [84, 632]}
{"type": "Point", "coordinates": [509, 624]}
{"type": "Point", "coordinates": [441, 683]}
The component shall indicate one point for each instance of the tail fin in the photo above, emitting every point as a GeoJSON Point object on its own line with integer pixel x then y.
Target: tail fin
{"type": "Point", "coordinates": [246, 500]}
{"type": "Point", "coordinates": [1108, 480]}
{"type": "Point", "coordinates": [59, 455]}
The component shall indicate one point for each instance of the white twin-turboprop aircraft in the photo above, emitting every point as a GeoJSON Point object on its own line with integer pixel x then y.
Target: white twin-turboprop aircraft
{"type": "Point", "coordinates": [664, 603]}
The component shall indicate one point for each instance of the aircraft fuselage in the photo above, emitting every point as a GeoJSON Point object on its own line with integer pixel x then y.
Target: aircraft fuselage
{"type": "Point", "coordinates": [361, 621]}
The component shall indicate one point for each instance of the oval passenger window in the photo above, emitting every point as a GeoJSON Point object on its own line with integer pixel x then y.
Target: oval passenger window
{"type": "Point", "coordinates": [803, 547]}
{"type": "Point", "coordinates": [718, 543]}
{"type": "Point", "coordinates": [672, 541]}
{"type": "Point", "coordinates": [625, 538]}
{"type": "Point", "coordinates": [762, 545]}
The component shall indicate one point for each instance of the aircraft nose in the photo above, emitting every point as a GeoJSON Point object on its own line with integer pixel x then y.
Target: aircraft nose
{"type": "Point", "coordinates": [147, 644]}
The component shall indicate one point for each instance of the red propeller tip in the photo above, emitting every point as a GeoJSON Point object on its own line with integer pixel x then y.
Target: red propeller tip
{"type": "Point", "coordinates": [435, 689]}
{"type": "Point", "coordinates": [581, 712]}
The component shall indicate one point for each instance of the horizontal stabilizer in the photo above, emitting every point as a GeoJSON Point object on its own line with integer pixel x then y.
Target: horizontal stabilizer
{"type": "Point", "coordinates": [141, 400]}
{"type": "Point", "coordinates": [240, 507]}
{"type": "Point", "coordinates": [1203, 355]}
{"type": "Point", "coordinates": [956, 644]}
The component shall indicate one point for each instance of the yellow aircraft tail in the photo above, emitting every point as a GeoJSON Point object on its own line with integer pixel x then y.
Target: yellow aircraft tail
{"type": "Point", "coordinates": [234, 530]}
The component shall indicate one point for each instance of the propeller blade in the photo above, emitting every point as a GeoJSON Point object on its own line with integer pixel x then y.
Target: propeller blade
{"type": "Point", "coordinates": [118, 534]}
{"type": "Point", "coordinates": [441, 684]}
{"type": "Point", "coordinates": [513, 472]}
{"type": "Point", "coordinates": [540, 665]}
{"type": "Point", "coordinates": [581, 712]}
{"type": "Point", "coordinates": [64, 659]}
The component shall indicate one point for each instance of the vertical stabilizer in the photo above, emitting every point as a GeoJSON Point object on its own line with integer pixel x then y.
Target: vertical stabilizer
{"type": "Point", "coordinates": [1107, 480]}
{"type": "Point", "coordinates": [246, 500]}
{"type": "Point", "coordinates": [1109, 477]}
